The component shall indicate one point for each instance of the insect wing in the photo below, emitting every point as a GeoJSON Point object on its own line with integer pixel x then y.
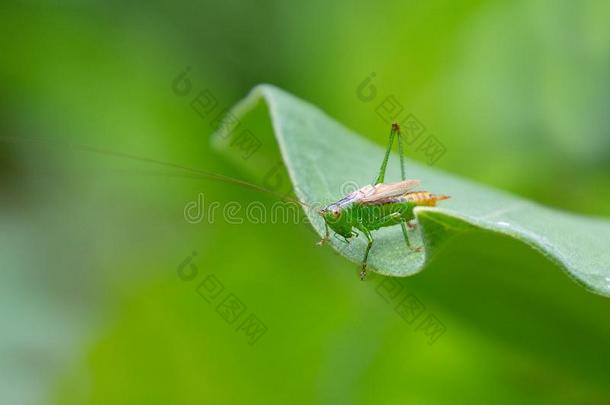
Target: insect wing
{"type": "Point", "coordinates": [356, 196]}
{"type": "Point", "coordinates": [384, 191]}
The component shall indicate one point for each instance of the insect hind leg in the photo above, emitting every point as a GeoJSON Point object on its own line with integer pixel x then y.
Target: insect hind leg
{"type": "Point", "coordinates": [401, 154]}
{"type": "Point", "coordinates": [384, 164]}
{"type": "Point", "coordinates": [403, 226]}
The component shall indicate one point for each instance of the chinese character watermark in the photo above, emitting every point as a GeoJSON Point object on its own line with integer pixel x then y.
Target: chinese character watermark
{"type": "Point", "coordinates": [390, 110]}
{"type": "Point", "coordinates": [227, 304]}
{"type": "Point", "coordinates": [410, 309]}
{"type": "Point", "coordinates": [204, 103]}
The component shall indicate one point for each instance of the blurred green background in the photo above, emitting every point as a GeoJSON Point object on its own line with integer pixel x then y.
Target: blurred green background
{"type": "Point", "coordinates": [93, 309]}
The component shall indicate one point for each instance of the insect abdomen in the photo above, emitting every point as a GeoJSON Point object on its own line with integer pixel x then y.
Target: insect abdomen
{"type": "Point", "coordinates": [424, 198]}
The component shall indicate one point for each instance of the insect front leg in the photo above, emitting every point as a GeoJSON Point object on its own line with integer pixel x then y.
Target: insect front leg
{"type": "Point", "coordinates": [326, 237]}
{"type": "Point", "coordinates": [342, 238]}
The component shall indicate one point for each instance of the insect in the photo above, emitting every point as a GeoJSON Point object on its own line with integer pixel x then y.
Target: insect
{"type": "Point", "coordinates": [378, 205]}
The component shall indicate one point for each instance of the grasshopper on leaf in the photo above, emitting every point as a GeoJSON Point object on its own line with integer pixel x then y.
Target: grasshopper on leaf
{"type": "Point", "coordinates": [378, 205]}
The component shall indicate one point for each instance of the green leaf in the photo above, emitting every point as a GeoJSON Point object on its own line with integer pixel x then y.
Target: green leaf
{"type": "Point", "coordinates": [323, 158]}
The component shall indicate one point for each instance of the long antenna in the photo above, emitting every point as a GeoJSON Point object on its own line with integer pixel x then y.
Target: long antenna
{"type": "Point", "coordinates": [200, 173]}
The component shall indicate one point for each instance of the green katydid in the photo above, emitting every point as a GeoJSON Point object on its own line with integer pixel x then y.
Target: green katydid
{"type": "Point", "coordinates": [379, 205]}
